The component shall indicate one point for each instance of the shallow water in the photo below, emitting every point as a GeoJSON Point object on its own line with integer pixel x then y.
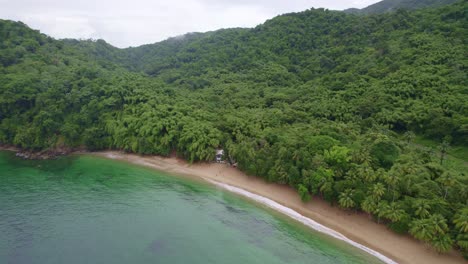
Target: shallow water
{"type": "Point", "coordinates": [85, 209]}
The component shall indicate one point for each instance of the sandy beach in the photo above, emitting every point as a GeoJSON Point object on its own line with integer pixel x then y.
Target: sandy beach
{"type": "Point", "coordinates": [356, 226]}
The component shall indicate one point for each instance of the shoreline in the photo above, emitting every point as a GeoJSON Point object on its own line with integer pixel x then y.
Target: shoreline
{"type": "Point", "coordinates": [358, 228]}
{"type": "Point", "coordinates": [300, 218]}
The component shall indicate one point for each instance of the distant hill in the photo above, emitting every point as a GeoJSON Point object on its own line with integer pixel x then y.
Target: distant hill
{"type": "Point", "coordinates": [391, 5]}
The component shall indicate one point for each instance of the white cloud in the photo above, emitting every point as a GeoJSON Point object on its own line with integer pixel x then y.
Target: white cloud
{"type": "Point", "coordinates": [63, 26]}
{"type": "Point", "coordinates": [126, 23]}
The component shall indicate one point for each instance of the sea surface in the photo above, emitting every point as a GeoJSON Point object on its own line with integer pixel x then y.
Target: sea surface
{"type": "Point", "coordinates": [85, 209]}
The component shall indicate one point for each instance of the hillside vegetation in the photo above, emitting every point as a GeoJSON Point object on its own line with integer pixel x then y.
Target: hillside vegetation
{"type": "Point", "coordinates": [393, 5]}
{"type": "Point", "coordinates": [327, 102]}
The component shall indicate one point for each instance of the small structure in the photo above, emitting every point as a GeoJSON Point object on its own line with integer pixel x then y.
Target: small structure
{"type": "Point", "coordinates": [219, 155]}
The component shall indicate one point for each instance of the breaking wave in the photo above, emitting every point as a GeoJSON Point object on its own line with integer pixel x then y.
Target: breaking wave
{"type": "Point", "coordinates": [297, 216]}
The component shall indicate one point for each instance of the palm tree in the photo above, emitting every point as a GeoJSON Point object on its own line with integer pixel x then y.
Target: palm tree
{"type": "Point", "coordinates": [442, 243]}
{"type": "Point", "coordinates": [327, 186]}
{"type": "Point", "coordinates": [462, 193]}
{"type": "Point", "coordinates": [392, 179]}
{"type": "Point", "coordinates": [323, 180]}
{"type": "Point", "coordinates": [447, 181]}
{"type": "Point", "coordinates": [421, 208]}
{"type": "Point", "coordinates": [369, 175]}
{"type": "Point", "coordinates": [462, 241]}
{"type": "Point", "coordinates": [407, 184]}
{"type": "Point", "coordinates": [381, 207]}
{"type": "Point", "coordinates": [393, 212]}
{"type": "Point", "coordinates": [409, 136]}
{"type": "Point", "coordinates": [377, 191]}
{"type": "Point", "coordinates": [369, 205]}
{"type": "Point", "coordinates": [439, 224]}
{"type": "Point", "coordinates": [421, 229]}
{"type": "Point", "coordinates": [461, 220]}
{"type": "Point", "coordinates": [444, 147]}
{"type": "Point", "coordinates": [346, 199]}
{"type": "Point", "coordinates": [362, 156]}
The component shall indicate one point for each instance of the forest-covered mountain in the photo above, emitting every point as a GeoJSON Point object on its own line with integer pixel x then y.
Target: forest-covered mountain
{"type": "Point", "coordinates": [369, 112]}
{"type": "Point", "coordinates": [393, 5]}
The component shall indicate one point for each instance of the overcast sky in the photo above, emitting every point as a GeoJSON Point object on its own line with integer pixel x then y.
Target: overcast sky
{"type": "Point", "coordinates": [125, 23]}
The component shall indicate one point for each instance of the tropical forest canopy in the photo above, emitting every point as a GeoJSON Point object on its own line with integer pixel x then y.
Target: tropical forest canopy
{"type": "Point", "coordinates": [369, 112]}
{"type": "Point", "coordinates": [393, 5]}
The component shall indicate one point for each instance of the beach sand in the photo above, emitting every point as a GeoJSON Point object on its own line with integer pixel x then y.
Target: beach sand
{"type": "Point", "coordinates": [356, 226]}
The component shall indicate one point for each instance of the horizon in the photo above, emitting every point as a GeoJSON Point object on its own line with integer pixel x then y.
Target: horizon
{"type": "Point", "coordinates": [123, 26]}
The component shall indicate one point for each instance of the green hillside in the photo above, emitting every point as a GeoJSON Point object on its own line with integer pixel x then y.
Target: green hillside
{"type": "Point", "coordinates": [393, 5]}
{"type": "Point", "coordinates": [369, 112]}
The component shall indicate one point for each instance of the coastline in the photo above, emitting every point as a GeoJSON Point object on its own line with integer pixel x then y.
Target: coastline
{"type": "Point", "coordinates": [302, 219]}
{"type": "Point", "coordinates": [357, 227]}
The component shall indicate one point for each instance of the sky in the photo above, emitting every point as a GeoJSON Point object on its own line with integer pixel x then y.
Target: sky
{"type": "Point", "coordinates": [125, 23]}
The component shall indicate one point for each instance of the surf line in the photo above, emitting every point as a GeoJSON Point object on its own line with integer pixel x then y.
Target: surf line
{"type": "Point", "coordinates": [304, 220]}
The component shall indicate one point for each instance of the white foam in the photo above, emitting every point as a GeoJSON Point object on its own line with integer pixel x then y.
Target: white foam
{"type": "Point", "coordinates": [297, 216]}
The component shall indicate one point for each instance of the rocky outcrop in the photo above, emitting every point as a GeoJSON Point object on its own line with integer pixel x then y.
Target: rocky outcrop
{"type": "Point", "coordinates": [42, 155]}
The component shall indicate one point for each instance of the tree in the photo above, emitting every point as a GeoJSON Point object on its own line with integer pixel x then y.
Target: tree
{"type": "Point", "coordinates": [377, 191]}
{"type": "Point", "coordinates": [439, 223]}
{"type": "Point", "coordinates": [338, 157]}
{"type": "Point", "coordinates": [304, 193]}
{"type": "Point", "coordinates": [362, 156]}
{"type": "Point", "coordinates": [409, 136]}
{"type": "Point", "coordinates": [448, 181]}
{"type": "Point", "coordinates": [421, 208]}
{"type": "Point", "coordinates": [421, 229]}
{"type": "Point", "coordinates": [385, 152]}
{"type": "Point", "coordinates": [198, 140]}
{"type": "Point", "coordinates": [318, 144]}
{"type": "Point", "coordinates": [364, 172]}
{"type": "Point", "coordinates": [346, 199]}
{"type": "Point", "coordinates": [462, 241]}
{"type": "Point", "coordinates": [461, 220]}
{"type": "Point", "coordinates": [442, 243]}
{"type": "Point", "coordinates": [391, 179]}
{"type": "Point", "coordinates": [322, 180]}
{"type": "Point", "coordinates": [380, 209]}
{"type": "Point", "coordinates": [431, 230]}
{"type": "Point", "coordinates": [443, 148]}
{"type": "Point", "coordinates": [369, 205]}
{"type": "Point", "coordinates": [393, 212]}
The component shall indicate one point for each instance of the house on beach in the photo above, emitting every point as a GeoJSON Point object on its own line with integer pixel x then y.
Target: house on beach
{"type": "Point", "coordinates": [219, 155]}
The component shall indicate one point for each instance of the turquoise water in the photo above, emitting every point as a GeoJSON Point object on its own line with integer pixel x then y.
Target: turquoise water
{"type": "Point", "coordinates": [84, 209]}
